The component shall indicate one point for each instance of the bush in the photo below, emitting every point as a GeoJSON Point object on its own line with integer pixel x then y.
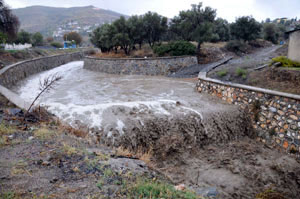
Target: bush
{"type": "Point", "coordinates": [177, 48]}
{"type": "Point", "coordinates": [285, 62]}
{"type": "Point", "coordinates": [222, 73]}
{"type": "Point", "coordinates": [153, 189]}
{"type": "Point", "coordinates": [3, 38]}
{"type": "Point", "coordinates": [56, 45]}
{"type": "Point", "coordinates": [236, 46]}
{"type": "Point", "coordinates": [241, 73]}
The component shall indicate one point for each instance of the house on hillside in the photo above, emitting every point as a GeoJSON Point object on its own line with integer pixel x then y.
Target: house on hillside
{"type": "Point", "coordinates": [294, 45]}
{"type": "Point", "coordinates": [281, 20]}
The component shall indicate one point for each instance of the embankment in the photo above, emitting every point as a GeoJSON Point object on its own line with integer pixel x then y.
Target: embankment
{"type": "Point", "coordinates": [139, 66]}
{"type": "Point", "coordinates": [275, 115]}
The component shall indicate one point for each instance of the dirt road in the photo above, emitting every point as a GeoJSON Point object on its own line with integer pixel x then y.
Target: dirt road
{"type": "Point", "coordinates": [247, 63]}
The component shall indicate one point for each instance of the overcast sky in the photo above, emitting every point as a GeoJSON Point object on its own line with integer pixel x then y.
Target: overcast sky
{"type": "Point", "coordinates": [228, 9]}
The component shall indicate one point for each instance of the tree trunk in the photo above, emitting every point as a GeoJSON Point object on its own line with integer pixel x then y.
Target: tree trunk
{"type": "Point", "coordinates": [198, 48]}
{"type": "Point", "coordinates": [198, 53]}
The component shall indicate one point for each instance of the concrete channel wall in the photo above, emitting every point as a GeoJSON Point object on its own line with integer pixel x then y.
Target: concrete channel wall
{"type": "Point", "coordinates": [10, 75]}
{"type": "Point", "coordinates": [139, 66]}
{"type": "Point", "coordinates": [275, 115]}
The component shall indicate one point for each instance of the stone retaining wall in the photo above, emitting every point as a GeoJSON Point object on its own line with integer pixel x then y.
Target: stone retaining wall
{"type": "Point", "coordinates": [139, 66]}
{"type": "Point", "coordinates": [275, 115]}
{"type": "Point", "coordinates": [10, 75]}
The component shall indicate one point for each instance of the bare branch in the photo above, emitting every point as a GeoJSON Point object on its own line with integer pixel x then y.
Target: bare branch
{"type": "Point", "coordinates": [45, 86]}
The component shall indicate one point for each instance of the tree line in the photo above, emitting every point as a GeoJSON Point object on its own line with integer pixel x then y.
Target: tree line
{"type": "Point", "coordinates": [196, 24]}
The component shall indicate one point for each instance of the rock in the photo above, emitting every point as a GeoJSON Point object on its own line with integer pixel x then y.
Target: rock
{"type": "Point", "coordinates": [180, 187]}
{"type": "Point", "coordinates": [31, 138]}
{"type": "Point", "coordinates": [272, 109]}
{"type": "Point", "coordinates": [11, 137]}
{"type": "Point", "coordinates": [294, 117]}
{"type": "Point", "coordinates": [280, 112]}
{"type": "Point", "coordinates": [210, 192]}
{"type": "Point", "coordinates": [46, 163]}
{"type": "Point", "coordinates": [54, 180]}
{"type": "Point", "coordinates": [14, 111]}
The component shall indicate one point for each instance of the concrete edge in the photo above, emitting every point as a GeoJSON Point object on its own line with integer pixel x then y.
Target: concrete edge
{"type": "Point", "coordinates": [150, 58]}
{"type": "Point", "coordinates": [14, 98]}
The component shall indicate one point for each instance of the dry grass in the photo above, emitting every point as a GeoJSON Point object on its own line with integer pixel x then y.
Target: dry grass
{"type": "Point", "coordinates": [69, 150]}
{"type": "Point", "coordinates": [120, 54]}
{"type": "Point", "coordinates": [269, 194]}
{"type": "Point", "coordinates": [214, 45]}
{"type": "Point", "coordinates": [145, 157]}
{"type": "Point", "coordinates": [70, 130]}
{"type": "Point", "coordinates": [44, 133]}
{"type": "Point", "coordinates": [6, 129]}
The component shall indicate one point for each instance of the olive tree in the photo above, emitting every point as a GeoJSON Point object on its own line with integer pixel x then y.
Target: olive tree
{"type": "Point", "coordinates": [155, 26]}
{"type": "Point", "coordinates": [246, 28]}
{"type": "Point", "coordinates": [195, 24]}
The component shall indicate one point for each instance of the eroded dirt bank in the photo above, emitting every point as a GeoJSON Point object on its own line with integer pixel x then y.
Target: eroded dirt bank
{"type": "Point", "coordinates": [191, 139]}
{"type": "Point", "coordinates": [238, 169]}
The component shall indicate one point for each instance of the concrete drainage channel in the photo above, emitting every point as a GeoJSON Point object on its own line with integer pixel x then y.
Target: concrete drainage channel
{"type": "Point", "coordinates": [194, 139]}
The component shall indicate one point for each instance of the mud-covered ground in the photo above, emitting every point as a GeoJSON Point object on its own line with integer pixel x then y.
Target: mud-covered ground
{"type": "Point", "coordinates": [238, 169]}
{"type": "Point", "coordinates": [43, 159]}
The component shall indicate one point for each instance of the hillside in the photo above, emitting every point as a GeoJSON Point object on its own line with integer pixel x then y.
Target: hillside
{"type": "Point", "coordinates": [51, 20]}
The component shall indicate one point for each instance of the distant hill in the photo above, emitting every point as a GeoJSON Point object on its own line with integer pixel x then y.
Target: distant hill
{"type": "Point", "coordinates": [51, 20]}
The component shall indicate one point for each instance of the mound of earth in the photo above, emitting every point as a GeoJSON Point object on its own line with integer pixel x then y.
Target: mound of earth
{"type": "Point", "coordinates": [238, 169]}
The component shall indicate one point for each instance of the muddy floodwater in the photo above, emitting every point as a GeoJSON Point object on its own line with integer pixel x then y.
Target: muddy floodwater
{"type": "Point", "coordinates": [84, 95]}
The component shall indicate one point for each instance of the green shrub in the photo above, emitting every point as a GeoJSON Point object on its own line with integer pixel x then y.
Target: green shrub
{"type": "Point", "coordinates": [222, 73]}
{"type": "Point", "coordinates": [56, 45]}
{"type": "Point", "coordinates": [241, 73]}
{"type": "Point", "coordinates": [236, 46]}
{"type": "Point", "coordinates": [176, 48]}
{"type": "Point", "coordinates": [150, 189]}
{"type": "Point", "coordinates": [285, 62]}
{"type": "Point", "coordinates": [3, 38]}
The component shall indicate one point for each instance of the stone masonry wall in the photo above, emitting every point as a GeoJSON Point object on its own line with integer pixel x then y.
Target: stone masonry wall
{"type": "Point", "coordinates": [10, 75]}
{"type": "Point", "coordinates": [138, 66]}
{"type": "Point", "coordinates": [275, 115]}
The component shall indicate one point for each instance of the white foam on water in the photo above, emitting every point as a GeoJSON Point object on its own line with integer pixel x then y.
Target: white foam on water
{"type": "Point", "coordinates": [120, 126]}
{"type": "Point", "coordinates": [89, 97]}
{"type": "Point", "coordinates": [71, 112]}
{"type": "Point", "coordinates": [31, 89]}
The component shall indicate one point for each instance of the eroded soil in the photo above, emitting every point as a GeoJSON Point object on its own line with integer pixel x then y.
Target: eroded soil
{"type": "Point", "coordinates": [238, 169]}
{"type": "Point", "coordinates": [44, 160]}
{"type": "Point", "coordinates": [52, 163]}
